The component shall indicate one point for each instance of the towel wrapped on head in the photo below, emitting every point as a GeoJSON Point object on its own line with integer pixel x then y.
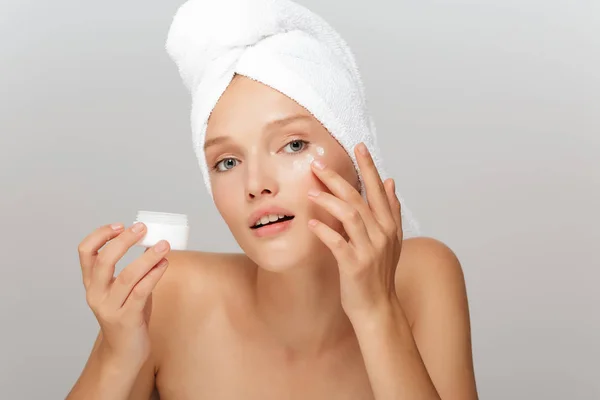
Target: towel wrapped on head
{"type": "Point", "coordinates": [285, 46]}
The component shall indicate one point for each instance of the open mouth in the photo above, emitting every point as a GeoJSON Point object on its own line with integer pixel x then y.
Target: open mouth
{"type": "Point", "coordinates": [272, 219]}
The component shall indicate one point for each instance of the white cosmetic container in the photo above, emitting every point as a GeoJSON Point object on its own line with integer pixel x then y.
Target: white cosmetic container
{"type": "Point", "coordinates": [164, 226]}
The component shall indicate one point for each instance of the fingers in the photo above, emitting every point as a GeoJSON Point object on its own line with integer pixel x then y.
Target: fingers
{"type": "Point", "coordinates": [395, 206]}
{"type": "Point", "coordinates": [339, 186]}
{"type": "Point", "coordinates": [89, 246]}
{"type": "Point", "coordinates": [349, 216]}
{"type": "Point", "coordinates": [376, 194]}
{"type": "Point", "coordinates": [107, 258]}
{"type": "Point", "coordinates": [343, 190]}
{"type": "Point", "coordinates": [139, 294]}
{"type": "Point", "coordinates": [136, 272]}
{"type": "Point", "coordinates": [332, 239]}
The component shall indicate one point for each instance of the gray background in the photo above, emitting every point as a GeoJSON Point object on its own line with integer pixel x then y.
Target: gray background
{"type": "Point", "coordinates": [488, 117]}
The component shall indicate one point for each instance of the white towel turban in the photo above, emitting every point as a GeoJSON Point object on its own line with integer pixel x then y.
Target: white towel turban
{"type": "Point", "coordinates": [285, 46]}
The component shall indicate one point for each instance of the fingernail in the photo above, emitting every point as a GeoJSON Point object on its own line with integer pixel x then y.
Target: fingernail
{"type": "Point", "coordinates": [313, 192]}
{"type": "Point", "coordinates": [160, 246]}
{"type": "Point", "coordinates": [117, 226]}
{"type": "Point", "coordinates": [362, 148]}
{"type": "Point", "coordinates": [137, 227]}
{"type": "Point", "coordinates": [313, 222]}
{"type": "Point", "coordinates": [319, 164]}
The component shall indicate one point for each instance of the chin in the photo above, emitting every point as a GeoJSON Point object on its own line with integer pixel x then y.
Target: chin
{"type": "Point", "coordinates": [279, 254]}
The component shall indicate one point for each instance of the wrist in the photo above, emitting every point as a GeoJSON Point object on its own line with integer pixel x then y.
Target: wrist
{"type": "Point", "coordinates": [385, 316]}
{"type": "Point", "coordinates": [119, 364]}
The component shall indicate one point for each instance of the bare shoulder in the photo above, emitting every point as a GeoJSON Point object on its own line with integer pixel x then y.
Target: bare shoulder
{"type": "Point", "coordinates": [427, 270]}
{"type": "Point", "coordinates": [194, 284]}
{"type": "Point", "coordinates": [196, 279]}
{"type": "Point", "coordinates": [431, 287]}
{"type": "Point", "coordinates": [200, 271]}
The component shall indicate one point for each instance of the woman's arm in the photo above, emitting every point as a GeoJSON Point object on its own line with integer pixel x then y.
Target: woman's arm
{"type": "Point", "coordinates": [110, 379]}
{"type": "Point", "coordinates": [433, 359]}
{"type": "Point", "coordinates": [394, 365]}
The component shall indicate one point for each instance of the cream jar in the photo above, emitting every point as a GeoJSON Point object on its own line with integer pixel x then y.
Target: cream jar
{"type": "Point", "coordinates": [164, 226]}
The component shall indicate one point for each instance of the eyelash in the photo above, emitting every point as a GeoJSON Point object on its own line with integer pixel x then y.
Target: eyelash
{"type": "Point", "coordinates": [304, 147]}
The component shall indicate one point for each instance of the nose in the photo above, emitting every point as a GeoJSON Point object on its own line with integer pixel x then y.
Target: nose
{"type": "Point", "coordinates": [260, 178]}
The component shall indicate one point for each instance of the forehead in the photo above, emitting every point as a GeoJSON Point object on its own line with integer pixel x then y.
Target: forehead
{"type": "Point", "coordinates": [248, 104]}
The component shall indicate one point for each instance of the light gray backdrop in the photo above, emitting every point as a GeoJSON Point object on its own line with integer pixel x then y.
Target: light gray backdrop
{"type": "Point", "coordinates": [488, 116]}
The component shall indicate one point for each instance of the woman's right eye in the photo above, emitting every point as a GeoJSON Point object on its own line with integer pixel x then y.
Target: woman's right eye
{"type": "Point", "coordinates": [226, 164]}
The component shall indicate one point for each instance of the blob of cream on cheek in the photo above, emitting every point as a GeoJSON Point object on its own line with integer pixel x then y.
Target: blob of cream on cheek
{"type": "Point", "coordinates": [303, 165]}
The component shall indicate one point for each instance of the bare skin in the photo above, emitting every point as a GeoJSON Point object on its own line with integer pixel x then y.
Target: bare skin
{"type": "Point", "coordinates": [215, 346]}
{"type": "Point", "coordinates": [269, 323]}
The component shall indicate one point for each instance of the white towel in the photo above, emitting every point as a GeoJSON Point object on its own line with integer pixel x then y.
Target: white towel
{"type": "Point", "coordinates": [285, 46]}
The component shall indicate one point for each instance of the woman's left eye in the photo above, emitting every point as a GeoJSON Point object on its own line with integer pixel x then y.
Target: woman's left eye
{"type": "Point", "coordinates": [295, 146]}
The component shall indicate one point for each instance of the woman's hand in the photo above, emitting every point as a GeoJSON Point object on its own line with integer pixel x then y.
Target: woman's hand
{"type": "Point", "coordinates": [367, 261]}
{"type": "Point", "coordinates": [122, 305]}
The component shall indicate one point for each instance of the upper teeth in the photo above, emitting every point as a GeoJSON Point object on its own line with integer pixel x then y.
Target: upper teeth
{"type": "Point", "coordinates": [268, 218]}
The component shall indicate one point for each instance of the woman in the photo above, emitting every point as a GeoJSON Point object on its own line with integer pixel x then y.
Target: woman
{"type": "Point", "coordinates": [329, 300]}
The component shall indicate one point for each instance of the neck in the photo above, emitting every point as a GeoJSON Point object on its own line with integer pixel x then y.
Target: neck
{"type": "Point", "coordinates": [301, 306]}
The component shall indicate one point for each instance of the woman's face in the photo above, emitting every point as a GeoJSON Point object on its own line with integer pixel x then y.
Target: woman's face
{"type": "Point", "coordinates": [259, 167]}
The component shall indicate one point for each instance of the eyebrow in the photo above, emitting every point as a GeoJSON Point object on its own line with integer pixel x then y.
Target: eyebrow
{"type": "Point", "coordinates": [287, 120]}
{"type": "Point", "coordinates": [275, 123]}
{"type": "Point", "coordinates": [215, 141]}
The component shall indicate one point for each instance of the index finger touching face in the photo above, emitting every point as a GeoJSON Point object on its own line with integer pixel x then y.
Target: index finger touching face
{"type": "Point", "coordinates": [375, 190]}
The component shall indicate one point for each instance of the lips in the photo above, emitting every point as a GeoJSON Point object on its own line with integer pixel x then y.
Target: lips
{"type": "Point", "coordinates": [271, 220]}
{"type": "Point", "coordinates": [273, 229]}
{"type": "Point", "coordinates": [268, 216]}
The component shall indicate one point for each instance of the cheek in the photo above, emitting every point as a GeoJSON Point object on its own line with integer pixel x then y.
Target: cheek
{"type": "Point", "coordinates": [219, 192]}
{"type": "Point", "coordinates": [226, 203]}
{"type": "Point", "coordinates": [296, 168]}
{"type": "Point", "coordinates": [298, 173]}
{"type": "Point", "coordinates": [301, 166]}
